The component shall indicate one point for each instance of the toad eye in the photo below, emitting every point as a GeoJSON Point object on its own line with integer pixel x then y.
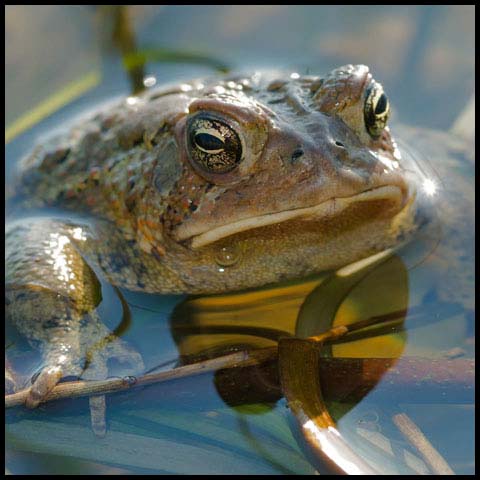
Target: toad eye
{"type": "Point", "coordinates": [209, 141]}
{"type": "Point", "coordinates": [212, 144]}
{"type": "Point", "coordinates": [377, 110]}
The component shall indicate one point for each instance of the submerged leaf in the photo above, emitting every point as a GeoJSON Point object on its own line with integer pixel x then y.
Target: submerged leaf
{"type": "Point", "coordinates": [128, 449]}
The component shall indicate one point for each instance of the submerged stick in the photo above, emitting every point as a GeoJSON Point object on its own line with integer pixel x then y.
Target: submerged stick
{"type": "Point", "coordinates": [416, 437]}
{"type": "Point", "coordinates": [344, 379]}
{"type": "Point", "coordinates": [96, 387]}
{"type": "Point", "coordinates": [357, 375]}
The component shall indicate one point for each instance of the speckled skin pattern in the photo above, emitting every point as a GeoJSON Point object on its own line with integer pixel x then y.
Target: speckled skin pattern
{"type": "Point", "coordinates": [311, 190]}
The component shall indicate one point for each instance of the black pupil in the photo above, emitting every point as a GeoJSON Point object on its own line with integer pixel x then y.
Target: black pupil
{"type": "Point", "coordinates": [208, 142]}
{"type": "Point", "coordinates": [381, 104]}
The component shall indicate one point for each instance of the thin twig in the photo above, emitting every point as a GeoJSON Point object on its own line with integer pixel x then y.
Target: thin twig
{"type": "Point", "coordinates": [97, 387]}
{"type": "Point", "coordinates": [415, 436]}
{"type": "Point", "coordinates": [373, 368]}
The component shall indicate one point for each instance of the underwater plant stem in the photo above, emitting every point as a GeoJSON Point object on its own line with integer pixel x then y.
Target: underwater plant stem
{"type": "Point", "coordinates": [415, 436]}
{"type": "Point", "coordinates": [123, 37]}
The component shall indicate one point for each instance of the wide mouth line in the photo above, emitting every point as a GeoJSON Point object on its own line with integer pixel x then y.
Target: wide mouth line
{"type": "Point", "coordinates": [326, 208]}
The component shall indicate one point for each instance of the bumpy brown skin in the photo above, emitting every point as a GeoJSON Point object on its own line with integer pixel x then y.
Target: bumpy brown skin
{"type": "Point", "coordinates": [156, 221]}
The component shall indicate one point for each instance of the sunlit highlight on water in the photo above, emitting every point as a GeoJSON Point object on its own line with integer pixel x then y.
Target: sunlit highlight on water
{"type": "Point", "coordinates": [149, 81]}
{"type": "Point", "coordinates": [429, 187]}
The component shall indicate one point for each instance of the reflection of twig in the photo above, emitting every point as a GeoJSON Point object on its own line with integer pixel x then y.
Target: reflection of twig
{"type": "Point", "coordinates": [415, 436]}
{"type": "Point", "coordinates": [393, 322]}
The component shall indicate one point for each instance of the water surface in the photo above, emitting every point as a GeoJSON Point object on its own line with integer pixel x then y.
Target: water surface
{"type": "Point", "coordinates": [424, 57]}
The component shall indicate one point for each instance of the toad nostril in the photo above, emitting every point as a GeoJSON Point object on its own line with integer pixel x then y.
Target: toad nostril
{"type": "Point", "coordinates": [296, 155]}
{"type": "Point", "coordinates": [339, 144]}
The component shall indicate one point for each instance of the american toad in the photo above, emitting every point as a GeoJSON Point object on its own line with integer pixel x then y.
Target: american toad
{"type": "Point", "coordinates": [204, 187]}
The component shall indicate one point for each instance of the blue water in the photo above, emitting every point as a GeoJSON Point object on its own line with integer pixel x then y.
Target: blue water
{"type": "Point", "coordinates": [424, 57]}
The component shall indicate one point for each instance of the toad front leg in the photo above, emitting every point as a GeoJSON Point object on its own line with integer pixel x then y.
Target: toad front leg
{"type": "Point", "coordinates": [51, 298]}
